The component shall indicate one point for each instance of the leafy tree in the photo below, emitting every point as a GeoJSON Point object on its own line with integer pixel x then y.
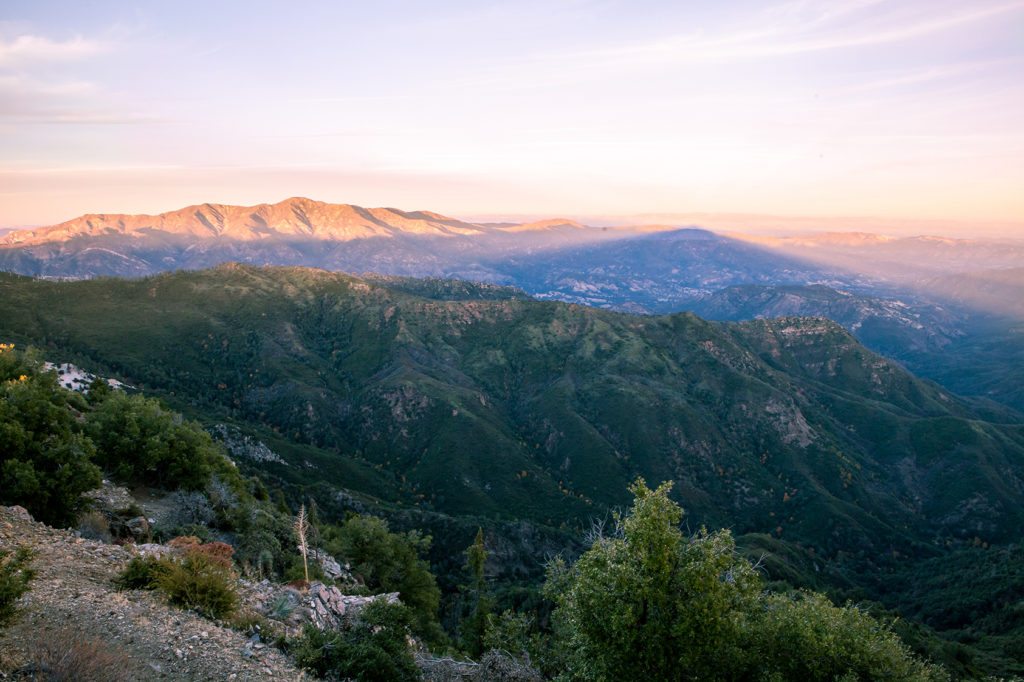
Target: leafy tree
{"type": "Point", "coordinates": [390, 562]}
{"type": "Point", "coordinates": [652, 603]}
{"type": "Point", "coordinates": [45, 462]}
{"type": "Point", "coordinates": [142, 442]}
{"type": "Point", "coordinates": [806, 637]}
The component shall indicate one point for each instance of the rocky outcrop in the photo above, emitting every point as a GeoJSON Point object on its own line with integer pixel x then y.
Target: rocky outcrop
{"type": "Point", "coordinates": [242, 446]}
{"type": "Point", "coordinates": [330, 609]}
{"type": "Point", "coordinates": [325, 606]}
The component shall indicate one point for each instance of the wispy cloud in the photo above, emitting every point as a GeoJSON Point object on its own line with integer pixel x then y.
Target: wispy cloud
{"type": "Point", "coordinates": [791, 28]}
{"type": "Point", "coordinates": [27, 49]}
{"type": "Point", "coordinates": [900, 80]}
{"type": "Point", "coordinates": [32, 93]}
{"type": "Point", "coordinates": [816, 29]}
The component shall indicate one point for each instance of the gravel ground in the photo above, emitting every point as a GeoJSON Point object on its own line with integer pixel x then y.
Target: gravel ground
{"type": "Point", "coordinates": [73, 599]}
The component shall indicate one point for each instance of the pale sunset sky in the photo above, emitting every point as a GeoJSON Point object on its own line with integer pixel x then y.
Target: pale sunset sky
{"type": "Point", "coordinates": [812, 111]}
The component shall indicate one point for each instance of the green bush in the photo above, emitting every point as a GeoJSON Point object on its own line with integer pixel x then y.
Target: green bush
{"type": "Point", "coordinates": [45, 462]}
{"type": "Point", "coordinates": [652, 603]}
{"type": "Point", "coordinates": [141, 573]}
{"type": "Point", "coordinates": [15, 576]}
{"type": "Point", "coordinates": [806, 637]}
{"type": "Point", "coordinates": [142, 442]}
{"type": "Point", "coordinates": [373, 649]}
{"type": "Point", "coordinates": [197, 582]}
{"type": "Point", "coordinates": [263, 536]}
{"type": "Point", "coordinates": [390, 562]}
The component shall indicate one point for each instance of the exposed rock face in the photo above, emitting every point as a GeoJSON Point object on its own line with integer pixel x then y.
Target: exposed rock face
{"type": "Point", "coordinates": [109, 498]}
{"type": "Point", "coordinates": [330, 566]}
{"type": "Point", "coordinates": [19, 513]}
{"type": "Point", "coordinates": [330, 609]}
{"type": "Point", "coordinates": [325, 606]}
{"type": "Point", "coordinates": [242, 446]}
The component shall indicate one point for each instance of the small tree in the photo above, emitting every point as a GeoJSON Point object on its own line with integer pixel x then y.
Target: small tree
{"type": "Point", "coordinates": [657, 604]}
{"type": "Point", "coordinates": [15, 575]}
{"type": "Point", "coordinates": [301, 530]}
{"type": "Point", "coordinates": [475, 625]}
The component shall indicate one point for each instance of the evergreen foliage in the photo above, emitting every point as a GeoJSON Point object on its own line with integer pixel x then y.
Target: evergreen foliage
{"type": "Point", "coordinates": [200, 579]}
{"type": "Point", "coordinates": [373, 649]}
{"type": "Point", "coordinates": [45, 459]}
{"type": "Point", "coordinates": [390, 562]}
{"type": "Point", "coordinates": [53, 442]}
{"type": "Point", "coordinates": [15, 575]}
{"type": "Point", "coordinates": [474, 626]}
{"type": "Point", "coordinates": [200, 583]}
{"type": "Point", "coordinates": [652, 603]}
{"type": "Point", "coordinates": [140, 441]}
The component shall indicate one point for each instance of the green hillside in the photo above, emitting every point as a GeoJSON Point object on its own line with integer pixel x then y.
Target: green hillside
{"type": "Point", "coordinates": [545, 411]}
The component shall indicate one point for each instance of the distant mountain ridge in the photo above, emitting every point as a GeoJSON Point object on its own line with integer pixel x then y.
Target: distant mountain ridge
{"type": "Point", "coordinates": [915, 299]}
{"type": "Point", "coordinates": [294, 217]}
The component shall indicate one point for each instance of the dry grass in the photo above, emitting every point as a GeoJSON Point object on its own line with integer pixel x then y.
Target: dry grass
{"type": "Point", "coordinates": [94, 526]}
{"type": "Point", "coordinates": [67, 656]}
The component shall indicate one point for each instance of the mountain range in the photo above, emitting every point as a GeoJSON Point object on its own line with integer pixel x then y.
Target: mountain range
{"type": "Point", "coordinates": [948, 309]}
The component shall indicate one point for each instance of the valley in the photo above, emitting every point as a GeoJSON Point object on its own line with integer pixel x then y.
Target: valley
{"type": "Point", "coordinates": [517, 377]}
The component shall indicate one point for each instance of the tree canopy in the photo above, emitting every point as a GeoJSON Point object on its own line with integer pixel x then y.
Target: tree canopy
{"type": "Point", "coordinates": [650, 602]}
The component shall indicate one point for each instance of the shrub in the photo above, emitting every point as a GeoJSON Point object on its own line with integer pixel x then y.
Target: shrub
{"type": "Point", "coordinates": [15, 576]}
{"type": "Point", "coordinates": [199, 583]}
{"type": "Point", "coordinates": [93, 525]}
{"type": "Point", "coordinates": [373, 649]}
{"type": "Point", "coordinates": [141, 573]}
{"type": "Point", "coordinates": [262, 538]}
{"type": "Point", "coordinates": [284, 605]}
{"type": "Point", "coordinates": [499, 666]}
{"type": "Point", "coordinates": [45, 462]}
{"type": "Point", "coordinates": [821, 641]}
{"type": "Point", "coordinates": [190, 509]}
{"type": "Point", "coordinates": [218, 553]}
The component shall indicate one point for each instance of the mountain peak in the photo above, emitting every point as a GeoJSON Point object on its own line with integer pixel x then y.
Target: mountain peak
{"type": "Point", "coordinates": [295, 217]}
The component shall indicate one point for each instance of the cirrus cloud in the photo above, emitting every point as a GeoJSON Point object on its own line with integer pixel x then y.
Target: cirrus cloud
{"type": "Point", "coordinates": [27, 49]}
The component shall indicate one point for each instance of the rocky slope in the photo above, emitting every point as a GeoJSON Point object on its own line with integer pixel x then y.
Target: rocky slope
{"type": "Point", "coordinates": [73, 599]}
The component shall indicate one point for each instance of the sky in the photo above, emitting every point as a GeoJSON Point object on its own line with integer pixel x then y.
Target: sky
{"type": "Point", "coordinates": [898, 115]}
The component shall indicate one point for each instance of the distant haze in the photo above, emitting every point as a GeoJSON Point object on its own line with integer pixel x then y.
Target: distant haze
{"type": "Point", "coordinates": [733, 114]}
